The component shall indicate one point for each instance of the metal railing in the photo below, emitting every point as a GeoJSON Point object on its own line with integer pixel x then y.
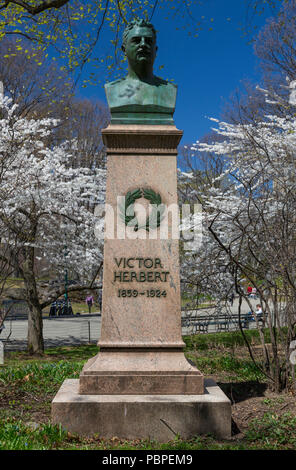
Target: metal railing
{"type": "Point", "coordinates": [56, 332]}
{"type": "Point", "coordinates": [75, 330]}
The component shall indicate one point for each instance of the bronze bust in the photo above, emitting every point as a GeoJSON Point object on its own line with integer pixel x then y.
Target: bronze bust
{"type": "Point", "coordinates": [141, 97]}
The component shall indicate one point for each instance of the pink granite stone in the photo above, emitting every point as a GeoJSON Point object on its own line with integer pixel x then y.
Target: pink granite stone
{"type": "Point", "coordinates": [157, 417]}
{"type": "Point", "coordinates": [141, 347]}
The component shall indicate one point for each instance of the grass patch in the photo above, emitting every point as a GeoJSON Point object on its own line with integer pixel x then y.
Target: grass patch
{"type": "Point", "coordinates": [28, 385]}
{"type": "Point", "coordinates": [69, 353]}
{"type": "Point", "coordinates": [73, 353]}
{"type": "Point", "coordinates": [13, 283]}
{"type": "Point", "coordinates": [36, 377]}
{"type": "Point", "coordinates": [273, 431]}
{"type": "Point", "coordinates": [239, 369]}
{"type": "Point", "coordinates": [270, 433]}
{"type": "Point", "coordinates": [15, 435]}
{"type": "Point", "coordinates": [230, 339]}
{"type": "Point", "coordinates": [46, 376]}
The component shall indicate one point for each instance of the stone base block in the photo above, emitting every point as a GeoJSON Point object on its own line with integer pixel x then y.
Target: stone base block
{"type": "Point", "coordinates": [158, 417]}
{"type": "Point", "coordinates": [140, 372]}
{"type": "Point", "coordinates": [142, 384]}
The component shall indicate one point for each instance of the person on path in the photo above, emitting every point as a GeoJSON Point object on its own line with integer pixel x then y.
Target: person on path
{"type": "Point", "coordinates": [231, 299]}
{"type": "Point", "coordinates": [89, 301]}
{"type": "Point", "coordinates": [258, 311]}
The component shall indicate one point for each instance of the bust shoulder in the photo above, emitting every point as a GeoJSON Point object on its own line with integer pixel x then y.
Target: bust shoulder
{"type": "Point", "coordinates": [122, 82]}
{"type": "Point", "coordinates": [133, 96]}
{"type": "Point", "coordinates": [115, 82]}
{"type": "Point", "coordinates": [161, 81]}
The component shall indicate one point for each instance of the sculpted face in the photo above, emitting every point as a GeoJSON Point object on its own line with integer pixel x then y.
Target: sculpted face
{"type": "Point", "coordinates": [140, 47]}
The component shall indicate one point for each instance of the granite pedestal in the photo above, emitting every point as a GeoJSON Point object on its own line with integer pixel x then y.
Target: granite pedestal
{"type": "Point", "coordinates": [157, 417]}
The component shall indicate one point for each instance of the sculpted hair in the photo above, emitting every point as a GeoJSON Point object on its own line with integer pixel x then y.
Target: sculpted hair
{"type": "Point", "coordinates": [136, 23]}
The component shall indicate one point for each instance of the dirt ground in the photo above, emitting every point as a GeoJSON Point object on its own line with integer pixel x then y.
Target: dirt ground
{"type": "Point", "coordinates": [249, 400]}
{"type": "Point", "coordinates": [252, 400]}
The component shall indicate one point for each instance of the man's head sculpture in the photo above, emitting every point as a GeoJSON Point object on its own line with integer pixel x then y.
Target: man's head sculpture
{"type": "Point", "coordinates": [136, 23]}
{"type": "Point", "coordinates": [139, 46]}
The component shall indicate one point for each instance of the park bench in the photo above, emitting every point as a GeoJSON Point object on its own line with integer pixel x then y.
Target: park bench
{"type": "Point", "coordinates": [247, 318]}
{"type": "Point", "coordinates": [15, 309]}
{"type": "Point", "coordinates": [201, 323]}
{"type": "Point", "coordinates": [221, 322]}
{"type": "Point", "coordinates": [196, 324]}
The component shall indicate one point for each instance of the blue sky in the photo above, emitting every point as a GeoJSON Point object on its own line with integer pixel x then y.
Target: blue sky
{"type": "Point", "coordinates": [207, 69]}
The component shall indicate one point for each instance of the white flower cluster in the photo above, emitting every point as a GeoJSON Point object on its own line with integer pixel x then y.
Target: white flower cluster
{"type": "Point", "coordinates": [250, 208]}
{"type": "Point", "coordinates": [44, 202]}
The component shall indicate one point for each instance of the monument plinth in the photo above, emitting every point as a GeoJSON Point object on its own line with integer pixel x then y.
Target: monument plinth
{"type": "Point", "coordinates": [140, 385]}
{"type": "Point", "coordinates": [141, 347]}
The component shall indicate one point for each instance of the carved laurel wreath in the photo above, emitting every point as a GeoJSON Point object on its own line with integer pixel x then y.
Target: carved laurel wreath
{"type": "Point", "coordinates": [127, 211]}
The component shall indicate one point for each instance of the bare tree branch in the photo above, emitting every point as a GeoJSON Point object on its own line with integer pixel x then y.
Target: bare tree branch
{"type": "Point", "coordinates": [35, 10]}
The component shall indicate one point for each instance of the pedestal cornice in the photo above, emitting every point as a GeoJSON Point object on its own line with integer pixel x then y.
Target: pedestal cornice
{"type": "Point", "coordinates": [141, 139]}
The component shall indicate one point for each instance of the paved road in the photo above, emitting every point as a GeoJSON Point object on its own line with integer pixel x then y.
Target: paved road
{"type": "Point", "coordinates": [230, 310]}
{"type": "Point", "coordinates": [233, 309]}
{"type": "Point", "coordinates": [81, 329]}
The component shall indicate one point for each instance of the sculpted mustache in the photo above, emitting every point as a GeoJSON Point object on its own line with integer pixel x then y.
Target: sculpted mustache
{"type": "Point", "coordinates": [144, 49]}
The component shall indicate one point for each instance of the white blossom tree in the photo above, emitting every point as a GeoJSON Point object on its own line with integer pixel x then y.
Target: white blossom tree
{"type": "Point", "coordinates": [44, 209]}
{"type": "Point", "coordinates": [204, 268]}
{"type": "Point", "coordinates": [249, 224]}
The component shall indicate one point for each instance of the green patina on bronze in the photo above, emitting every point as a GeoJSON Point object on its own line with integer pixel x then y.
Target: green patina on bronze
{"type": "Point", "coordinates": [127, 211]}
{"type": "Point", "coordinates": [141, 97]}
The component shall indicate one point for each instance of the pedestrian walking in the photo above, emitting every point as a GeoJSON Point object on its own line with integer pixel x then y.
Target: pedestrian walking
{"type": "Point", "coordinates": [89, 301]}
{"type": "Point", "coordinates": [254, 293]}
{"type": "Point", "coordinates": [231, 299]}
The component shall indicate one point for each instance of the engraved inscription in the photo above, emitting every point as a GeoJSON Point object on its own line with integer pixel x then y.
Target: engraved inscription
{"type": "Point", "coordinates": [139, 270]}
{"type": "Point", "coordinates": [148, 293]}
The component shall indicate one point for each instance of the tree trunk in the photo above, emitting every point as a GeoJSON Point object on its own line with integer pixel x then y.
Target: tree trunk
{"type": "Point", "coordinates": [35, 328]}
{"type": "Point", "coordinates": [35, 324]}
{"type": "Point", "coordinates": [15, 263]}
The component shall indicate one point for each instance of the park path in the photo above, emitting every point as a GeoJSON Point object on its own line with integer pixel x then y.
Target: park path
{"type": "Point", "coordinates": [81, 329]}
{"type": "Point", "coordinates": [56, 331]}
